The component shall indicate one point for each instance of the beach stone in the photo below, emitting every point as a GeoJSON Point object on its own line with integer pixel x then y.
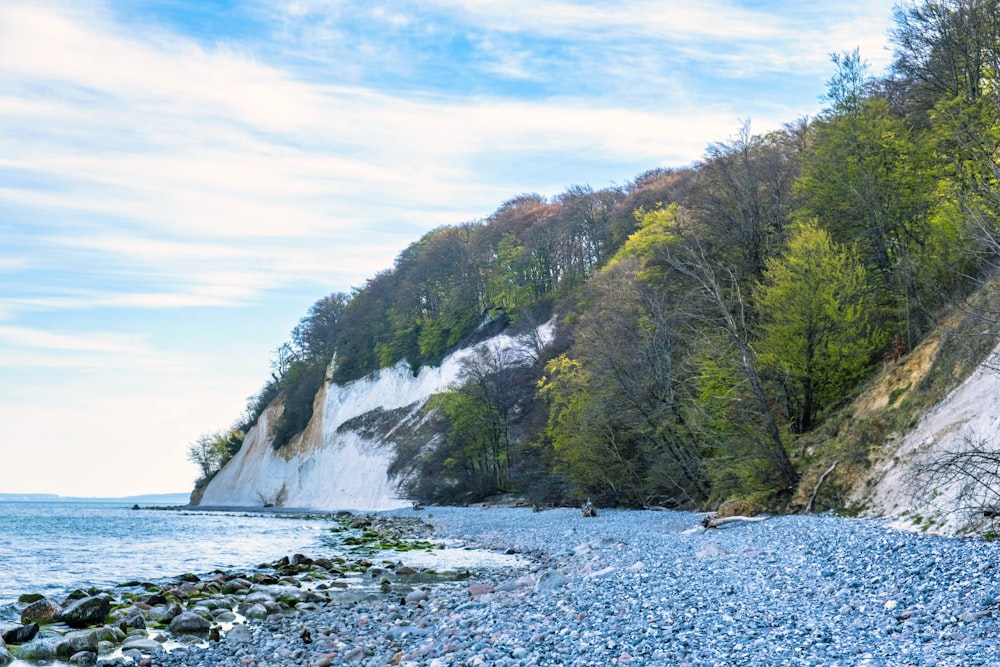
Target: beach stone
{"type": "Point", "coordinates": [20, 634]}
{"type": "Point", "coordinates": [240, 634]}
{"type": "Point", "coordinates": [164, 614]}
{"type": "Point", "coordinates": [109, 633]}
{"type": "Point", "coordinates": [477, 588]}
{"type": "Point", "coordinates": [256, 611]}
{"type": "Point", "coordinates": [189, 623]}
{"type": "Point", "coordinates": [42, 611]}
{"type": "Point", "coordinates": [86, 612]}
{"type": "Point", "coordinates": [143, 645]}
{"type": "Point", "coordinates": [75, 642]}
{"type": "Point", "coordinates": [258, 597]}
{"type": "Point", "coordinates": [37, 650]}
{"type": "Point", "coordinates": [551, 580]}
{"type": "Point", "coordinates": [84, 658]}
{"type": "Point", "coordinates": [416, 596]}
{"type": "Point", "coordinates": [134, 621]}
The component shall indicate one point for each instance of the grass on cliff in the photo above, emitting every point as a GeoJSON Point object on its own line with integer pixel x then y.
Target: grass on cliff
{"type": "Point", "coordinates": [867, 429]}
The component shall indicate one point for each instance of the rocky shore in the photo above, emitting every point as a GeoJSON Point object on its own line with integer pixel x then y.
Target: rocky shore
{"type": "Point", "coordinates": [639, 588]}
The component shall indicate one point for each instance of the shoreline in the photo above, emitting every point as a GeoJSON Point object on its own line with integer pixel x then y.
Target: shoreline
{"type": "Point", "coordinates": [647, 588]}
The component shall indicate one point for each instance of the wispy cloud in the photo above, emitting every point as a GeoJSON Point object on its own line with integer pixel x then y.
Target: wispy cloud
{"type": "Point", "coordinates": [172, 195]}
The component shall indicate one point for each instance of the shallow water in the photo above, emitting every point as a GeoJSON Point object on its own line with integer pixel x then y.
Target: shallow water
{"type": "Point", "coordinates": [52, 548]}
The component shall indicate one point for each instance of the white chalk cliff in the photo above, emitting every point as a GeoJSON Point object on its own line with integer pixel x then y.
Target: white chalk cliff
{"type": "Point", "coordinates": [969, 415]}
{"type": "Point", "coordinates": [338, 463]}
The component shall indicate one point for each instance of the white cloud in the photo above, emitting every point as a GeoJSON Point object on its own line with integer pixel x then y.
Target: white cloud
{"type": "Point", "coordinates": [146, 171]}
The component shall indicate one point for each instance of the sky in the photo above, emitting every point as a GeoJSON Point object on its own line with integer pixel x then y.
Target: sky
{"type": "Point", "coordinates": [180, 180]}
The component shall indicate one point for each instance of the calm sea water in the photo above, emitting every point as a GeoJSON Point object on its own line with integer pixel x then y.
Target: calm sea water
{"type": "Point", "coordinates": [52, 548]}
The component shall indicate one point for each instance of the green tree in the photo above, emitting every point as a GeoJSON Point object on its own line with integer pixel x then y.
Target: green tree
{"type": "Point", "coordinates": [211, 451]}
{"type": "Point", "coordinates": [866, 180]}
{"type": "Point", "coordinates": [480, 414]}
{"type": "Point", "coordinates": [592, 450]}
{"type": "Point", "coordinates": [816, 309]}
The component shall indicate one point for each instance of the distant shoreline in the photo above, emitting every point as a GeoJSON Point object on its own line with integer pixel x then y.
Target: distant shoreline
{"type": "Point", "coordinates": [149, 498]}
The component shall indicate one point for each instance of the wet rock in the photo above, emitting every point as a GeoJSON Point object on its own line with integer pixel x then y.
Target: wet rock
{"type": "Point", "coordinates": [109, 633]}
{"type": "Point", "coordinates": [20, 634]}
{"type": "Point", "coordinates": [75, 642]}
{"type": "Point", "coordinates": [133, 621]}
{"type": "Point", "coordinates": [5, 657]}
{"type": "Point", "coordinates": [256, 611]}
{"type": "Point", "coordinates": [164, 614]}
{"type": "Point", "coordinates": [28, 598]}
{"type": "Point", "coordinates": [189, 623]}
{"type": "Point", "coordinates": [42, 611]}
{"type": "Point", "coordinates": [238, 585]}
{"type": "Point", "coordinates": [143, 645]}
{"type": "Point", "coordinates": [84, 658]}
{"type": "Point", "coordinates": [37, 650]}
{"type": "Point", "coordinates": [86, 612]}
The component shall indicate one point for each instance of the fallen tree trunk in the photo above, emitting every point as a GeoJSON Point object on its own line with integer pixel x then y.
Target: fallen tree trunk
{"type": "Point", "coordinates": [822, 478]}
{"type": "Point", "coordinates": [716, 522]}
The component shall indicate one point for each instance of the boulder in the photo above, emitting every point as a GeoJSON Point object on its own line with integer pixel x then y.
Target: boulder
{"type": "Point", "coordinates": [110, 633]}
{"type": "Point", "coordinates": [86, 612]}
{"type": "Point", "coordinates": [37, 650]}
{"type": "Point", "coordinates": [164, 614]}
{"type": "Point", "coordinates": [143, 645]}
{"type": "Point", "coordinates": [84, 658]}
{"type": "Point", "coordinates": [239, 634]}
{"type": "Point", "coordinates": [43, 611]}
{"type": "Point", "coordinates": [76, 642]}
{"type": "Point", "coordinates": [256, 611]}
{"type": "Point", "coordinates": [416, 597]}
{"type": "Point", "coordinates": [551, 580]}
{"type": "Point", "coordinates": [20, 634]}
{"type": "Point", "coordinates": [189, 623]}
{"type": "Point", "coordinates": [134, 622]}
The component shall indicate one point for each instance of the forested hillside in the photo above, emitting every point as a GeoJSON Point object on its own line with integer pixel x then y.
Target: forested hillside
{"type": "Point", "coordinates": [710, 318]}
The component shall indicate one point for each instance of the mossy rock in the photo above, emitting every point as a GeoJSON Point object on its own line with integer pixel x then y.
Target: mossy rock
{"type": "Point", "coordinates": [28, 598]}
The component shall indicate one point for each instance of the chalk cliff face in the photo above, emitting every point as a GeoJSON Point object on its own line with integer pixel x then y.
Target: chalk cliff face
{"type": "Point", "coordinates": [343, 458]}
{"type": "Point", "coordinates": [899, 486]}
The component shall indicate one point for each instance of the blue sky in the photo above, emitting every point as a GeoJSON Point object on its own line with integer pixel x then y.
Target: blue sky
{"type": "Point", "coordinates": [181, 179]}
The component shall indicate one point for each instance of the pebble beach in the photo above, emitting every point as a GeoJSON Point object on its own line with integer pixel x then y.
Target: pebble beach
{"type": "Point", "coordinates": [637, 588]}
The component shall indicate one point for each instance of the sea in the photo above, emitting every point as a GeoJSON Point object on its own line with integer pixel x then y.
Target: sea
{"type": "Point", "coordinates": [52, 548]}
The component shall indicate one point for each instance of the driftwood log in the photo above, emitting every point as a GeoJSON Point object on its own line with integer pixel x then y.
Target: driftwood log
{"type": "Point", "coordinates": [822, 478]}
{"type": "Point", "coordinates": [716, 522]}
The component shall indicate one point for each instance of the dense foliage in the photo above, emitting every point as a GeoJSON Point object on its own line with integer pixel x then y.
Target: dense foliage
{"type": "Point", "coordinates": [708, 317]}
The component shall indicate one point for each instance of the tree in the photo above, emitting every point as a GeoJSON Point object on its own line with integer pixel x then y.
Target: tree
{"type": "Point", "coordinates": [722, 317]}
{"type": "Point", "coordinates": [630, 342]}
{"type": "Point", "coordinates": [816, 308]}
{"type": "Point", "coordinates": [480, 414]}
{"type": "Point", "coordinates": [315, 337]}
{"type": "Point", "coordinates": [600, 458]}
{"type": "Point", "coordinates": [744, 193]}
{"type": "Point", "coordinates": [865, 179]}
{"type": "Point", "coordinates": [211, 451]}
{"type": "Point", "coordinates": [947, 50]}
